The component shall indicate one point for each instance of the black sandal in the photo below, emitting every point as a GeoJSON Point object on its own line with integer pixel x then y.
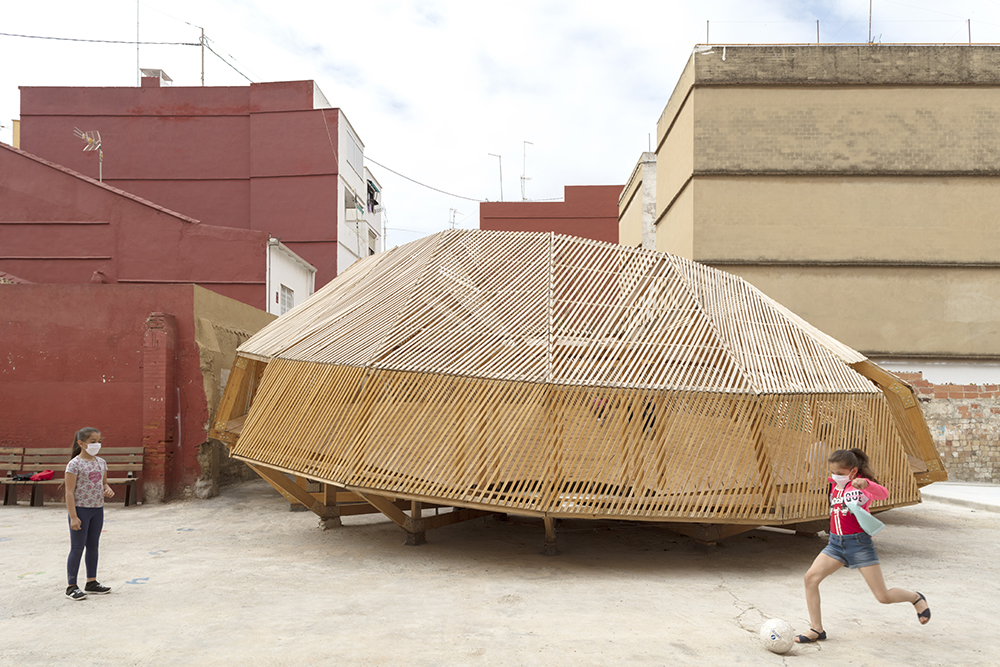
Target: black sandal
{"type": "Point", "coordinates": [820, 636]}
{"type": "Point", "coordinates": [926, 613]}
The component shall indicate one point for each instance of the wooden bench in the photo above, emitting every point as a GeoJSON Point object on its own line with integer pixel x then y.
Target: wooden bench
{"type": "Point", "coordinates": [10, 464]}
{"type": "Point", "coordinates": [37, 460]}
{"type": "Point", "coordinates": [129, 461]}
{"type": "Point", "coordinates": [30, 461]}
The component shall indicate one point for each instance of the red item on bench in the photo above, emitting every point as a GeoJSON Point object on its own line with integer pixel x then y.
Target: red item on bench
{"type": "Point", "coordinates": [42, 476]}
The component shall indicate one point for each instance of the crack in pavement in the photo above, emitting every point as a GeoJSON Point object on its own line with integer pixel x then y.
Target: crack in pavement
{"type": "Point", "coordinates": [753, 626]}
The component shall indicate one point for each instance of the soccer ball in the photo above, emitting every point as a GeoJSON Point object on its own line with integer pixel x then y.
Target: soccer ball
{"type": "Point", "coordinates": [776, 635]}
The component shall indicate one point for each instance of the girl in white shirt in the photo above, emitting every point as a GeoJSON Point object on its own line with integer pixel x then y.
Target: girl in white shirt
{"type": "Point", "coordinates": [86, 488]}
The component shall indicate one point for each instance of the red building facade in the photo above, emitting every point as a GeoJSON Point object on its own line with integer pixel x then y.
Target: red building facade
{"type": "Point", "coordinates": [58, 226]}
{"type": "Point", "coordinates": [590, 211]}
{"type": "Point", "coordinates": [142, 363]}
{"type": "Point", "coordinates": [262, 157]}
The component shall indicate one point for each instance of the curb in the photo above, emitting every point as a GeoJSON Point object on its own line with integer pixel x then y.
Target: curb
{"type": "Point", "coordinates": [960, 502]}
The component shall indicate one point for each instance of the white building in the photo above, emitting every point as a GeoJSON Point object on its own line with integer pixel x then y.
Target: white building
{"type": "Point", "coordinates": [359, 231]}
{"type": "Point", "coordinates": [359, 195]}
{"type": "Point", "coordinates": [290, 279]}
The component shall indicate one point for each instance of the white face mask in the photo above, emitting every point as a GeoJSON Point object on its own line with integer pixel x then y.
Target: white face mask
{"type": "Point", "coordinates": [841, 480]}
{"type": "Point", "coordinates": [93, 448]}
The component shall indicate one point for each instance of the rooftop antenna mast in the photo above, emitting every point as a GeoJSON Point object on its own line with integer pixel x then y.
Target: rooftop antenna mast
{"type": "Point", "coordinates": [500, 161]}
{"type": "Point", "coordinates": [524, 170]}
{"type": "Point", "coordinates": [138, 75]}
{"type": "Point", "coordinates": [452, 212]}
{"type": "Point", "coordinates": [202, 40]}
{"type": "Point", "coordinates": [869, 21]}
{"type": "Point", "coordinates": [93, 143]}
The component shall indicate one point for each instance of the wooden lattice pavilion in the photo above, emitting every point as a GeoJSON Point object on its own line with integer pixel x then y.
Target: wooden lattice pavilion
{"type": "Point", "coordinates": [555, 376]}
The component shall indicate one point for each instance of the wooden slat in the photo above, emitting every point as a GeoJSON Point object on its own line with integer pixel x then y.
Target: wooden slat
{"type": "Point", "coordinates": [555, 376]}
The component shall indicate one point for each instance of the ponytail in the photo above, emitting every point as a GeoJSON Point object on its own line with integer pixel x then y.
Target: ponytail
{"type": "Point", "coordinates": [854, 458]}
{"type": "Point", "coordinates": [82, 434]}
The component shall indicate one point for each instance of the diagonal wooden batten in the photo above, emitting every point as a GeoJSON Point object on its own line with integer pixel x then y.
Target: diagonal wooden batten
{"type": "Point", "coordinates": [553, 376]}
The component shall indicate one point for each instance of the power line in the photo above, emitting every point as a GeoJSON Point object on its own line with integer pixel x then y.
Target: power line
{"type": "Point", "coordinates": [234, 58]}
{"type": "Point", "coordinates": [227, 62]}
{"type": "Point", "coordinates": [98, 41]}
{"type": "Point", "coordinates": [170, 16]}
{"type": "Point", "coordinates": [160, 11]}
{"type": "Point", "coordinates": [429, 187]}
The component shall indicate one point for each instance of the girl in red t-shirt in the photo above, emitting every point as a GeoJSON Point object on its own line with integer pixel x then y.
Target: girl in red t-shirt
{"type": "Point", "coordinates": [851, 480]}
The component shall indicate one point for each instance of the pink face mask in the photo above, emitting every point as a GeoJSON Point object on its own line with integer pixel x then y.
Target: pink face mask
{"type": "Point", "coordinates": [93, 448]}
{"type": "Point", "coordinates": [841, 480]}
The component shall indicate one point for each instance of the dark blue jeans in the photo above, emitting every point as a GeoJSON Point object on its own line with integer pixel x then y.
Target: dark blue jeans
{"type": "Point", "coordinates": [89, 536]}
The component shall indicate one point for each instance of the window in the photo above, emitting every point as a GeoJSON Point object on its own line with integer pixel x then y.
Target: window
{"type": "Point", "coordinates": [286, 300]}
{"type": "Point", "coordinates": [372, 242]}
{"type": "Point", "coordinates": [354, 153]}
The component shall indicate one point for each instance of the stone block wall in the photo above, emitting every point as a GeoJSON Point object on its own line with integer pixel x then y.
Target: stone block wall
{"type": "Point", "coordinates": [964, 421]}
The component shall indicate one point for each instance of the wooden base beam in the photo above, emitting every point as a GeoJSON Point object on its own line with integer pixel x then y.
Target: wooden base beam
{"type": "Point", "coordinates": [808, 528]}
{"type": "Point", "coordinates": [293, 491]}
{"type": "Point", "coordinates": [708, 533]}
{"type": "Point", "coordinates": [416, 525]}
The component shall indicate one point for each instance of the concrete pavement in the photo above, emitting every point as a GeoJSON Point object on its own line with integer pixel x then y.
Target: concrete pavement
{"type": "Point", "coordinates": [240, 579]}
{"type": "Point", "coordinates": [964, 494]}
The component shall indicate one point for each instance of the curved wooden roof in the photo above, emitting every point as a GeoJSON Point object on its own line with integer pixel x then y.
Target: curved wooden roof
{"type": "Point", "coordinates": [558, 309]}
{"type": "Point", "coordinates": [552, 375]}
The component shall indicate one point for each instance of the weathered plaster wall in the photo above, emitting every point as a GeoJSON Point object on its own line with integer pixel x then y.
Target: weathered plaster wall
{"type": "Point", "coordinates": [221, 325]}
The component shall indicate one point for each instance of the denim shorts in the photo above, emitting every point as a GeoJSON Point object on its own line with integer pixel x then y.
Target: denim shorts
{"type": "Point", "coordinates": [854, 551]}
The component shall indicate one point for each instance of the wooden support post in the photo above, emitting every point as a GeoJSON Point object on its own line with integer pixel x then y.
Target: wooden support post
{"type": "Point", "coordinates": [387, 507]}
{"type": "Point", "coordinates": [550, 536]}
{"type": "Point", "coordinates": [330, 500]}
{"type": "Point", "coordinates": [294, 505]}
{"type": "Point", "coordinates": [278, 480]}
{"type": "Point", "coordinates": [418, 537]}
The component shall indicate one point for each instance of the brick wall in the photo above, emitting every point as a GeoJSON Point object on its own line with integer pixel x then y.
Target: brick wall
{"type": "Point", "coordinates": [159, 407]}
{"type": "Point", "coordinates": [965, 423]}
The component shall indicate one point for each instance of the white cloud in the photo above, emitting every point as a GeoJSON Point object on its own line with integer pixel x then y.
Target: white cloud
{"type": "Point", "coordinates": [433, 87]}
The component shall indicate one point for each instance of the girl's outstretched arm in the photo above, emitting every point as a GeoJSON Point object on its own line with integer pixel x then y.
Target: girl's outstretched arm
{"type": "Point", "coordinates": [875, 491]}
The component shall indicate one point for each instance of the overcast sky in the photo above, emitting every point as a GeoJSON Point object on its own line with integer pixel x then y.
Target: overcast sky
{"type": "Point", "coordinates": [433, 87]}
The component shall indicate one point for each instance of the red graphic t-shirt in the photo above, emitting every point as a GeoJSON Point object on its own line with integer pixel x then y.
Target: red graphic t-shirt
{"type": "Point", "coordinates": [842, 522]}
{"type": "Point", "coordinates": [89, 491]}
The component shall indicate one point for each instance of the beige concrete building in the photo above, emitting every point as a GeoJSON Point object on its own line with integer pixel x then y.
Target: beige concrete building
{"type": "Point", "coordinates": [859, 185]}
{"type": "Point", "coordinates": [637, 205]}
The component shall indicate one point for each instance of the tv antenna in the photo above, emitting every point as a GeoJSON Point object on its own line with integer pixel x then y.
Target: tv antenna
{"type": "Point", "coordinates": [500, 161]}
{"type": "Point", "coordinates": [93, 139]}
{"type": "Point", "coordinates": [524, 170]}
{"type": "Point", "coordinates": [452, 212]}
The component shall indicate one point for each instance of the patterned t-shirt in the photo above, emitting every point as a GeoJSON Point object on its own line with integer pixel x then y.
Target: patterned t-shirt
{"type": "Point", "coordinates": [842, 521]}
{"type": "Point", "coordinates": [89, 490]}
